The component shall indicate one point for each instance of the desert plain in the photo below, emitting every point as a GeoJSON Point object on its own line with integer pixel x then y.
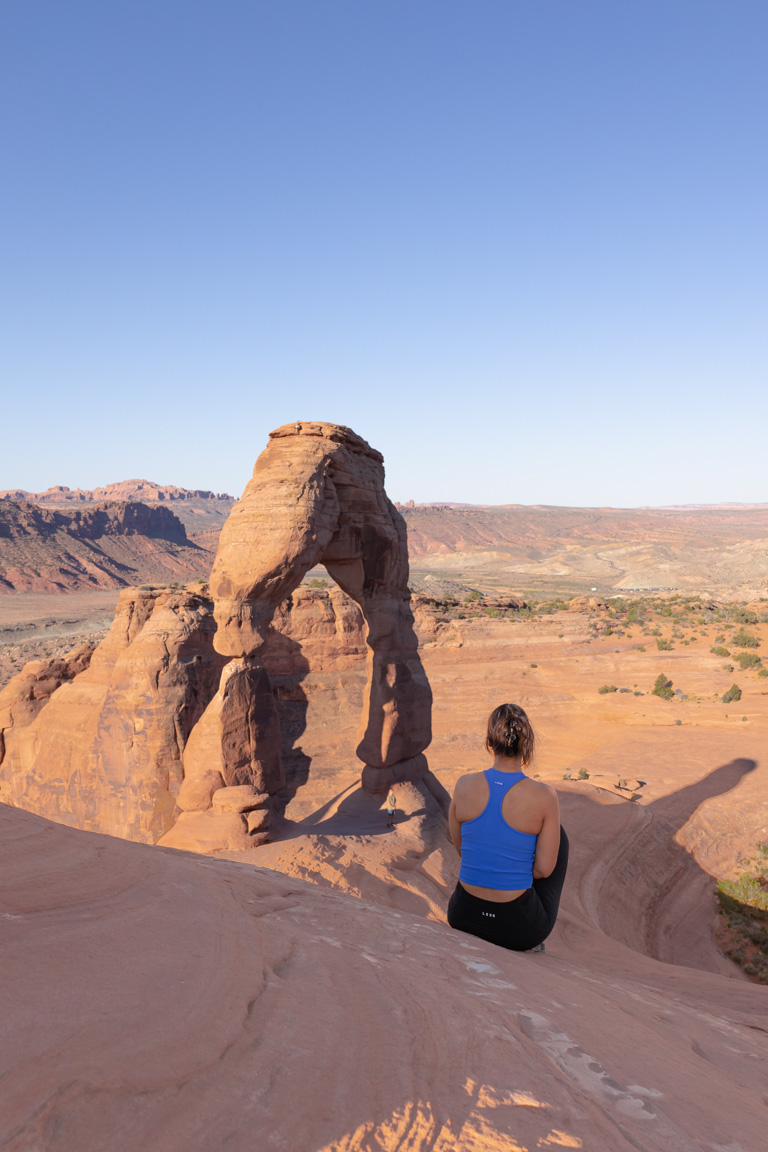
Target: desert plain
{"type": "Point", "coordinates": [306, 994]}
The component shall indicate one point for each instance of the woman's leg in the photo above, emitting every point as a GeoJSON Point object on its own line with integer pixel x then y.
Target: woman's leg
{"type": "Point", "coordinates": [549, 888]}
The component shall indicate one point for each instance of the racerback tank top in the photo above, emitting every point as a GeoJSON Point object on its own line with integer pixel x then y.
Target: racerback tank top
{"type": "Point", "coordinates": [493, 854]}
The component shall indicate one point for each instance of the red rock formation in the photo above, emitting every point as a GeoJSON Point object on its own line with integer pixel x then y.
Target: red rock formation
{"type": "Point", "coordinates": [28, 692]}
{"type": "Point", "coordinates": [101, 546]}
{"type": "Point", "coordinates": [105, 752]}
{"type": "Point", "coordinates": [317, 496]}
{"type": "Point", "coordinates": [145, 490]}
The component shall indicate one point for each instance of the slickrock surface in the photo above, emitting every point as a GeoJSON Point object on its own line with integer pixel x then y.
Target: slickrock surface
{"type": "Point", "coordinates": [110, 545]}
{"type": "Point", "coordinates": [166, 1002]}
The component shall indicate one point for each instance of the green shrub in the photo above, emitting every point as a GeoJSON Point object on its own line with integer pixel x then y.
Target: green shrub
{"type": "Point", "coordinates": [583, 774]}
{"type": "Point", "coordinates": [664, 645]}
{"type": "Point", "coordinates": [640, 648]}
{"type": "Point", "coordinates": [733, 693]}
{"type": "Point", "coordinates": [763, 673]}
{"type": "Point", "coordinates": [607, 688]}
{"type": "Point", "coordinates": [625, 689]}
{"type": "Point", "coordinates": [473, 596]}
{"type": "Point", "coordinates": [718, 650]}
{"type": "Point", "coordinates": [748, 660]}
{"type": "Point", "coordinates": [744, 639]}
{"type": "Point", "coordinates": [662, 687]}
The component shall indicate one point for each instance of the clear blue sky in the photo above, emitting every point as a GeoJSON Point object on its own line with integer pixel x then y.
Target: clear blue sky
{"type": "Point", "coordinates": [519, 246]}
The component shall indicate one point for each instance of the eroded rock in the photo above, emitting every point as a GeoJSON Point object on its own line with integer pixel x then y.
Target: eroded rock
{"type": "Point", "coordinates": [105, 751]}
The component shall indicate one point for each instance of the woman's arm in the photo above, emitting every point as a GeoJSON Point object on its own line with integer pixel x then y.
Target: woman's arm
{"type": "Point", "coordinates": [548, 842]}
{"type": "Point", "coordinates": [455, 827]}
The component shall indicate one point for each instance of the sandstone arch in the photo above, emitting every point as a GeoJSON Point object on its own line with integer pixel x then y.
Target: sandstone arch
{"type": "Point", "coordinates": [316, 496]}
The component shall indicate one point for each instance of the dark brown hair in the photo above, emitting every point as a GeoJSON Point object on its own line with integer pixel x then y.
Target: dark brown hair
{"type": "Point", "coordinates": [510, 733]}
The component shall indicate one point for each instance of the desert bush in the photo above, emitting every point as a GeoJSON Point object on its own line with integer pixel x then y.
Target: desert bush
{"type": "Point", "coordinates": [748, 660]}
{"type": "Point", "coordinates": [664, 645]}
{"type": "Point", "coordinates": [583, 774]}
{"type": "Point", "coordinates": [763, 673]}
{"type": "Point", "coordinates": [662, 686]}
{"type": "Point", "coordinates": [625, 689]}
{"type": "Point", "coordinates": [718, 650]}
{"type": "Point", "coordinates": [744, 639]}
{"type": "Point", "coordinates": [473, 596]}
{"type": "Point", "coordinates": [606, 688]}
{"type": "Point", "coordinates": [733, 693]}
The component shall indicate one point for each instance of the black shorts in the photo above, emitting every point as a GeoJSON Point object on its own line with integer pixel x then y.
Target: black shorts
{"type": "Point", "coordinates": [517, 924]}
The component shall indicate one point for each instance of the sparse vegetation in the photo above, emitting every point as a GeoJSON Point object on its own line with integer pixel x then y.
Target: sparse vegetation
{"type": "Point", "coordinates": [733, 693]}
{"type": "Point", "coordinates": [662, 687]}
{"type": "Point", "coordinates": [664, 645]}
{"type": "Point", "coordinates": [744, 901]}
{"type": "Point", "coordinates": [583, 774]}
{"type": "Point", "coordinates": [606, 688]}
{"type": "Point", "coordinates": [744, 639]}
{"type": "Point", "coordinates": [718, 650]}
{"type": "Point", "coordinates": [747, 660]}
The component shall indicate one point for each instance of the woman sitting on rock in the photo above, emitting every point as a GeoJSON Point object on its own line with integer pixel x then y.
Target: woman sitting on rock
{"type": "Point", "coordinates": [514, 852]}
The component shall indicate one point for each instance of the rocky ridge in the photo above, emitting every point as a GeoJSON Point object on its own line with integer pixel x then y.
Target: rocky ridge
{"type": "Point", "coordinates": [108, 545]}
{"type": "Point", "coordinates": [131, 490]}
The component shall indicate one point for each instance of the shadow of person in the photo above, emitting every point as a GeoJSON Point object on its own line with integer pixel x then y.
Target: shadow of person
{"type": "Point", "coordinates": [679, 807]}
{"type": "Point", "coordinates": [631, 877]}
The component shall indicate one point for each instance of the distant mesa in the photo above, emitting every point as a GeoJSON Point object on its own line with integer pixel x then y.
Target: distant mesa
{"type": "Point", "coordinates": [143, 490]}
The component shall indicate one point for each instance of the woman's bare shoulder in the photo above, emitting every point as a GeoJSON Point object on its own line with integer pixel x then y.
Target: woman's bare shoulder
{"type": "Point", "coordinates": [468, 781]}
{"type": "Point", "coordinates": [543, 791]}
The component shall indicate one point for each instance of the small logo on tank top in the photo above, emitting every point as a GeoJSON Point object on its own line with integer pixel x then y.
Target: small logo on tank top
{"type": "Point", "coordinates": [491, 914]}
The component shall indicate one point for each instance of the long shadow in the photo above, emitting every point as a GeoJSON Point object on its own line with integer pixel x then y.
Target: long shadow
{"type": "Point", "coordinates": [358, 814]}
{"type": "Point", "coordinates": [635, 881]}
{"type": "Point", "coordinates": [678, 807]}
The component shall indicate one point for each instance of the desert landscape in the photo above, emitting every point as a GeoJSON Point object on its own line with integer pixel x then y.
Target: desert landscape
{"type": "Point", "coordinates": [195, 838]}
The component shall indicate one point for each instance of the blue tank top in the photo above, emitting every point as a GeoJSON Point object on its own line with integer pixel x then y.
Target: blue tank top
{"type": "Point", "coordinates": [493, 854]}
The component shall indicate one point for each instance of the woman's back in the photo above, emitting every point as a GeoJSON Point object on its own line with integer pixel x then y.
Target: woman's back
{"type": "Point", "coordinates": [506, 829]}
{"type": "Point", "coordinates": [501, 814]}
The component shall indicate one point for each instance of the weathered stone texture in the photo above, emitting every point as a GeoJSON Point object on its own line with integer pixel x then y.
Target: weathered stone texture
{"type": "Point", "coordinates": [105, 753]}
